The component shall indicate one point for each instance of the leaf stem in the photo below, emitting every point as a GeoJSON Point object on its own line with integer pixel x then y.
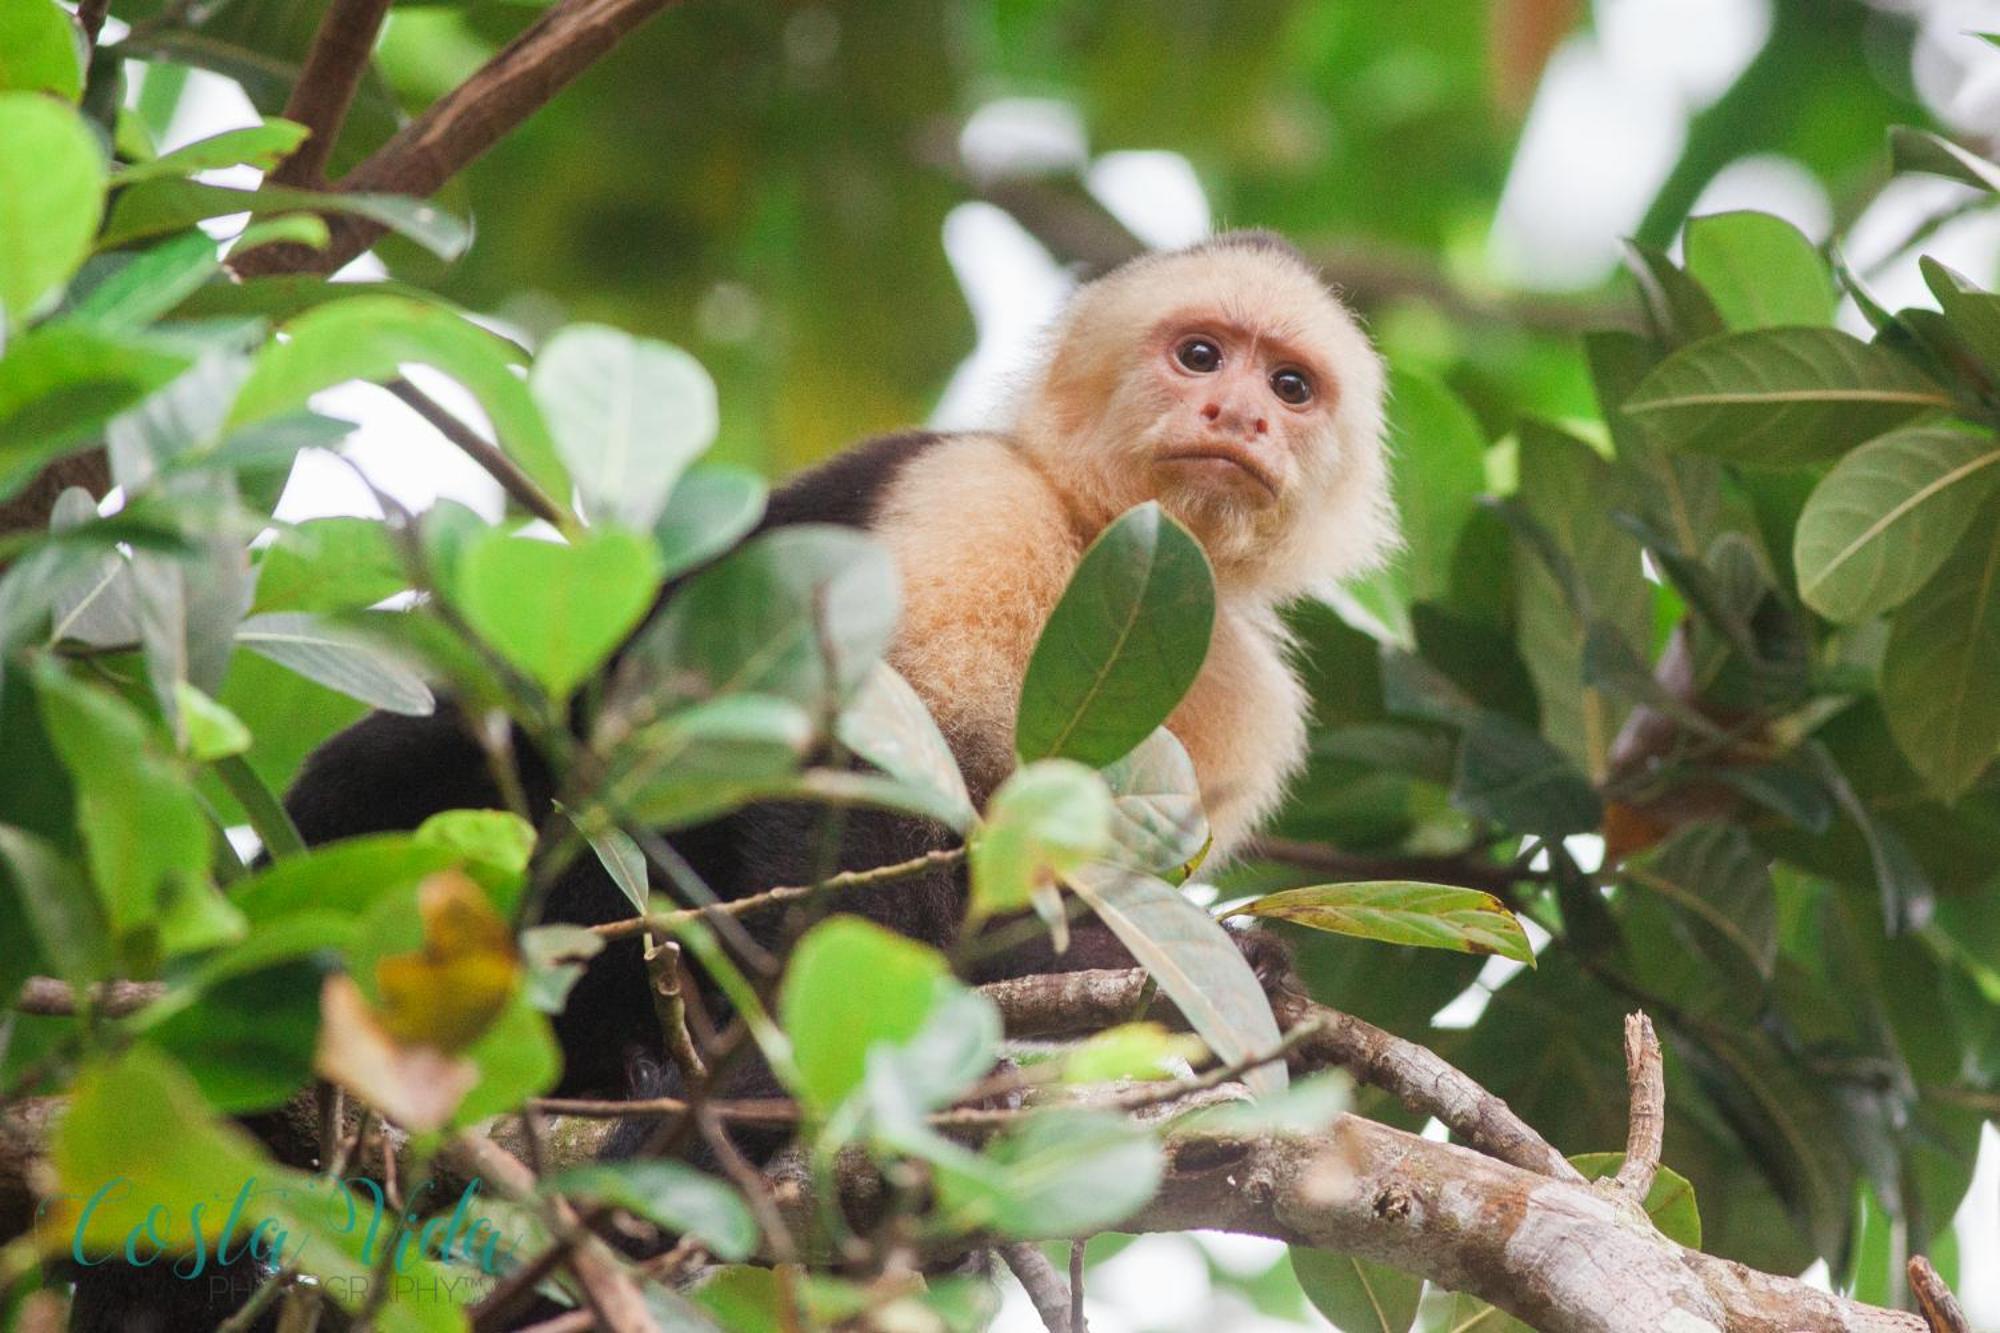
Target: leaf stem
{"type": "Point", "coordinates": [264, 811]}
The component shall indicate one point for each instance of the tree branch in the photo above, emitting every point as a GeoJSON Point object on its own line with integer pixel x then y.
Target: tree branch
{"type": "Point", "coordinates": [1422, 1080]}
{"type": "Point", "coordinates": [1941, 1309]}
{"type": "Point", "coordinates": [1647, 1126]}
{"type": "Point", "coordinates": [340, 53]}
{"type": "Point", "coordinates": [501, 468]}
{"type": "Point", "coordinates": [1038, 1277]}
{"type": "Point", "coordinates": [460, 126]}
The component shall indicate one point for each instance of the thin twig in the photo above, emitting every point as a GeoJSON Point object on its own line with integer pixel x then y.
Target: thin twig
{"type": "Point", "coordinates": [501, 468]}
{"type": "Point", "coordinates": [751, 1183]}
{"type": "Point", "coordinates": [663, 967]}
{"type": "Point", "coordinates": [1647, 1125]}
{"type": "Point", "coordinates": [48, 997]}
{"type": "Point", "coordinates": [90, 17]}
{"type": "Point", "coordinates": [1939, 1307]}
{"type": "Point", "coordinates": [1077, 1323]}
{"type": "Point", "coordinates": [340, 53]}
{"type": "Point", "coordinates": [1046, 1290]}
{"type": "Point", "coordinates": [846, 880]}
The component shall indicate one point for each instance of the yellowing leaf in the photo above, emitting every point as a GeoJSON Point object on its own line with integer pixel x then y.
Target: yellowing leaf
{"type": "Point", "coordinates": [449, 992]}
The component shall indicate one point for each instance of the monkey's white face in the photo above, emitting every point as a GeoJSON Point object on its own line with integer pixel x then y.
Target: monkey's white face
{"type": "Point", "coordinates": [1238, 407]}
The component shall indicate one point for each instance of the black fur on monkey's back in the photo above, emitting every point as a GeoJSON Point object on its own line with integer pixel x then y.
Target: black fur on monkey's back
{"type": "Point", "coordinates": [392, 772]}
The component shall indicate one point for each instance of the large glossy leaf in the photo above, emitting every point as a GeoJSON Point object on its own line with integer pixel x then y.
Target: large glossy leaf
{"type": "Point", "coordinates": [1123, 644]}
{"type": "Point", "coordinates": [1576, 571]}
{"type": "Point", "coordinates": [1888, 515]}
{"type": "Point", "coordinates": [1677, 307]}
{"type": "Point", "coordinates": [156, 207]}
{"type": "Point", "coordinates": [803, 612]}
{"type": "Point", "coordinates": [338, 659]}
{"type": "Point", "coordinates": [888, 725]}
{"type": "Point", "coordinates": [51, 194]}
{"type": "Point", "coordinates": [1358, 1295]}
{"type": "Point", "coordinates": [1714, 879]}
{"type": "Point", "coordinates": [557, 610]}
{"type": "Point", "coordinates": [1436, 916]}
{"type": "Point", "coordinates": [1777, 397]}
{"type": "Point", "coordinates": [368, 338]}
{"type": "Point", "coordinates": [147, 285]}
{"type": "Point", "coordinates": [1940, 672]}
{"type": "Point", "coordinates": [1157, 818]}
{"type": "Point", "coordinates": [1761, 271]}
{"type": "Point", "coordinates": [40, 50]}
{"type": "Point", "coordinates": [1512, 776]}
{"type": "Point", "coordinates": [1194, 960]}
{"type": "Point", "coordinates": [628, 415]}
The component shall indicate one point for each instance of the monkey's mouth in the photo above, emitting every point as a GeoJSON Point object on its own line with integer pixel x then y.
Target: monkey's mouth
{"type": "Point", "coordinates": [1226, 460]}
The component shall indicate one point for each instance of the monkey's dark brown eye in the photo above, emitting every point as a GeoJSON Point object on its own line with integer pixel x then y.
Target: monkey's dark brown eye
{"type": "Point", "coordinates": [1292, 387]}
{"type": "Point", "coordinates": [1199, 355]}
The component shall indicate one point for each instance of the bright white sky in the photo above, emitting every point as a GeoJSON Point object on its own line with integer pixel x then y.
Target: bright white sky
{"type": "Point", "coordinates": [1606, 127]}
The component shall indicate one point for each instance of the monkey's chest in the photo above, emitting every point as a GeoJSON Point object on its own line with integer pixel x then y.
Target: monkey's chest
{"type": "Point", "coordinates": [1243, 725]}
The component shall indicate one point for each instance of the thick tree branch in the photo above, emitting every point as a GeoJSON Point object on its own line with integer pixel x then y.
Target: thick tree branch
{"type": "Point", "coordinates": [460, 126]}
{"type": "Point", "coordinates": [1934, 1298]}
{"type": "Point", "coordinates": [1073, 1002]}
{"type": "Point", "coordinates": [339, 56]}
{"type": "Point", "coordinates": [1047, 1292]}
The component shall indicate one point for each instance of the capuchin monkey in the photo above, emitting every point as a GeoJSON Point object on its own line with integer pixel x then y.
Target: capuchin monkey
{"type": "Point", "coordinates": [1224, 381]}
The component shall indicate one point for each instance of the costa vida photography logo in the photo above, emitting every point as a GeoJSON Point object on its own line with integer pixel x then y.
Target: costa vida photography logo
{"type": "Point", "coordinates": [271, 1225]}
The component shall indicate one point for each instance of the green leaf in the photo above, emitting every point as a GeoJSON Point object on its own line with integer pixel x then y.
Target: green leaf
{"type": "Point", "coordinates": [1677, 307]}
{"type": "Point", "coordinates": [1670, 1203]}
{"type": "Point", "coordinates": [1940, 669]}
{"type": "Point", "coordinates": [143, 832]}
{"type": "Point", "coordinates": [888, 725]}
{"type": "Point", "coordinates": [1438, 461]}
{"type": "Point", "coordinates": [1761, 270]}
{"type": "Point", "coordinates": [59, 384]}
{"type": "Point", "coordinates": [338, 659]}
{"type": "Point", "coordinates": [247, 1039]}
{"type": "Point", "coordinates": [213, 732]}
{"type": "Point", "coordinates": [1045, 821]}
{"type": "Point", "coordinates": [557, 611]}
{"type": "Point", "coordinates": [850, 984]}
{"type": "Point", "coordinates": [628, 415]}
{"type": "Point", "coordinates": [41, 51]}
{"type": "Point", "coordinates": [329, 564]}
{"type": "Point", "coordinates": [369, 338]}
{"type": "Point", "coordinates": [1973, 314]}
{"type": "Point", "coordinates": [1714, 878]}
{"type": "Point", "coordinates": [1433, 916]}
{"type": "Point", "coordinates": [1577, 571]}
{"type": "Point", "coordinates": [1059, 1172]}
{"type": "Point", "coordinates": [65, 916]}
{"type": "Point", "coordinates": [1123, 644]}
{"type": "Point", "coordinates": [1195, 961]}
{"type": "Point", "coordinates": [672, 1195]}
{"type": "Point", "coordinates": [713, 507]}
{"type": "Point", "coordinates": [1919, 150]}
{"type": "Point", "coordinates": [707, 759]}
{"type": "Point", "coordinates": [766, 619]}
{"type": "Point", "coordinates": [1512, 776]}
{"type": "Point", "coordinates": [307, 229]}
{"type": "Point", "coordinates": [1157, 820]}
{"type": "Point", "coordinates": [1358, 1295]}
{"type": "Point", "coordinates": [344, 879]}
{"type": "Point", "coordinates": [261, 146]}
{"type": "Point", "coordinates": [1778, 397]}
{"type": "Point", "coordinates": [1879, 525]}
{"type": "Point", "coordinates": [517, 1057]}
{"type": "Point", "coordinates": [156, 207]}
{"type": "Point", "coordinates": [149, 284]}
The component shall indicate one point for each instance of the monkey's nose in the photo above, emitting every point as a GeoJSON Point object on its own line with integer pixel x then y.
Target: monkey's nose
{"type": "Point", "coordinates": [1231, 419]}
